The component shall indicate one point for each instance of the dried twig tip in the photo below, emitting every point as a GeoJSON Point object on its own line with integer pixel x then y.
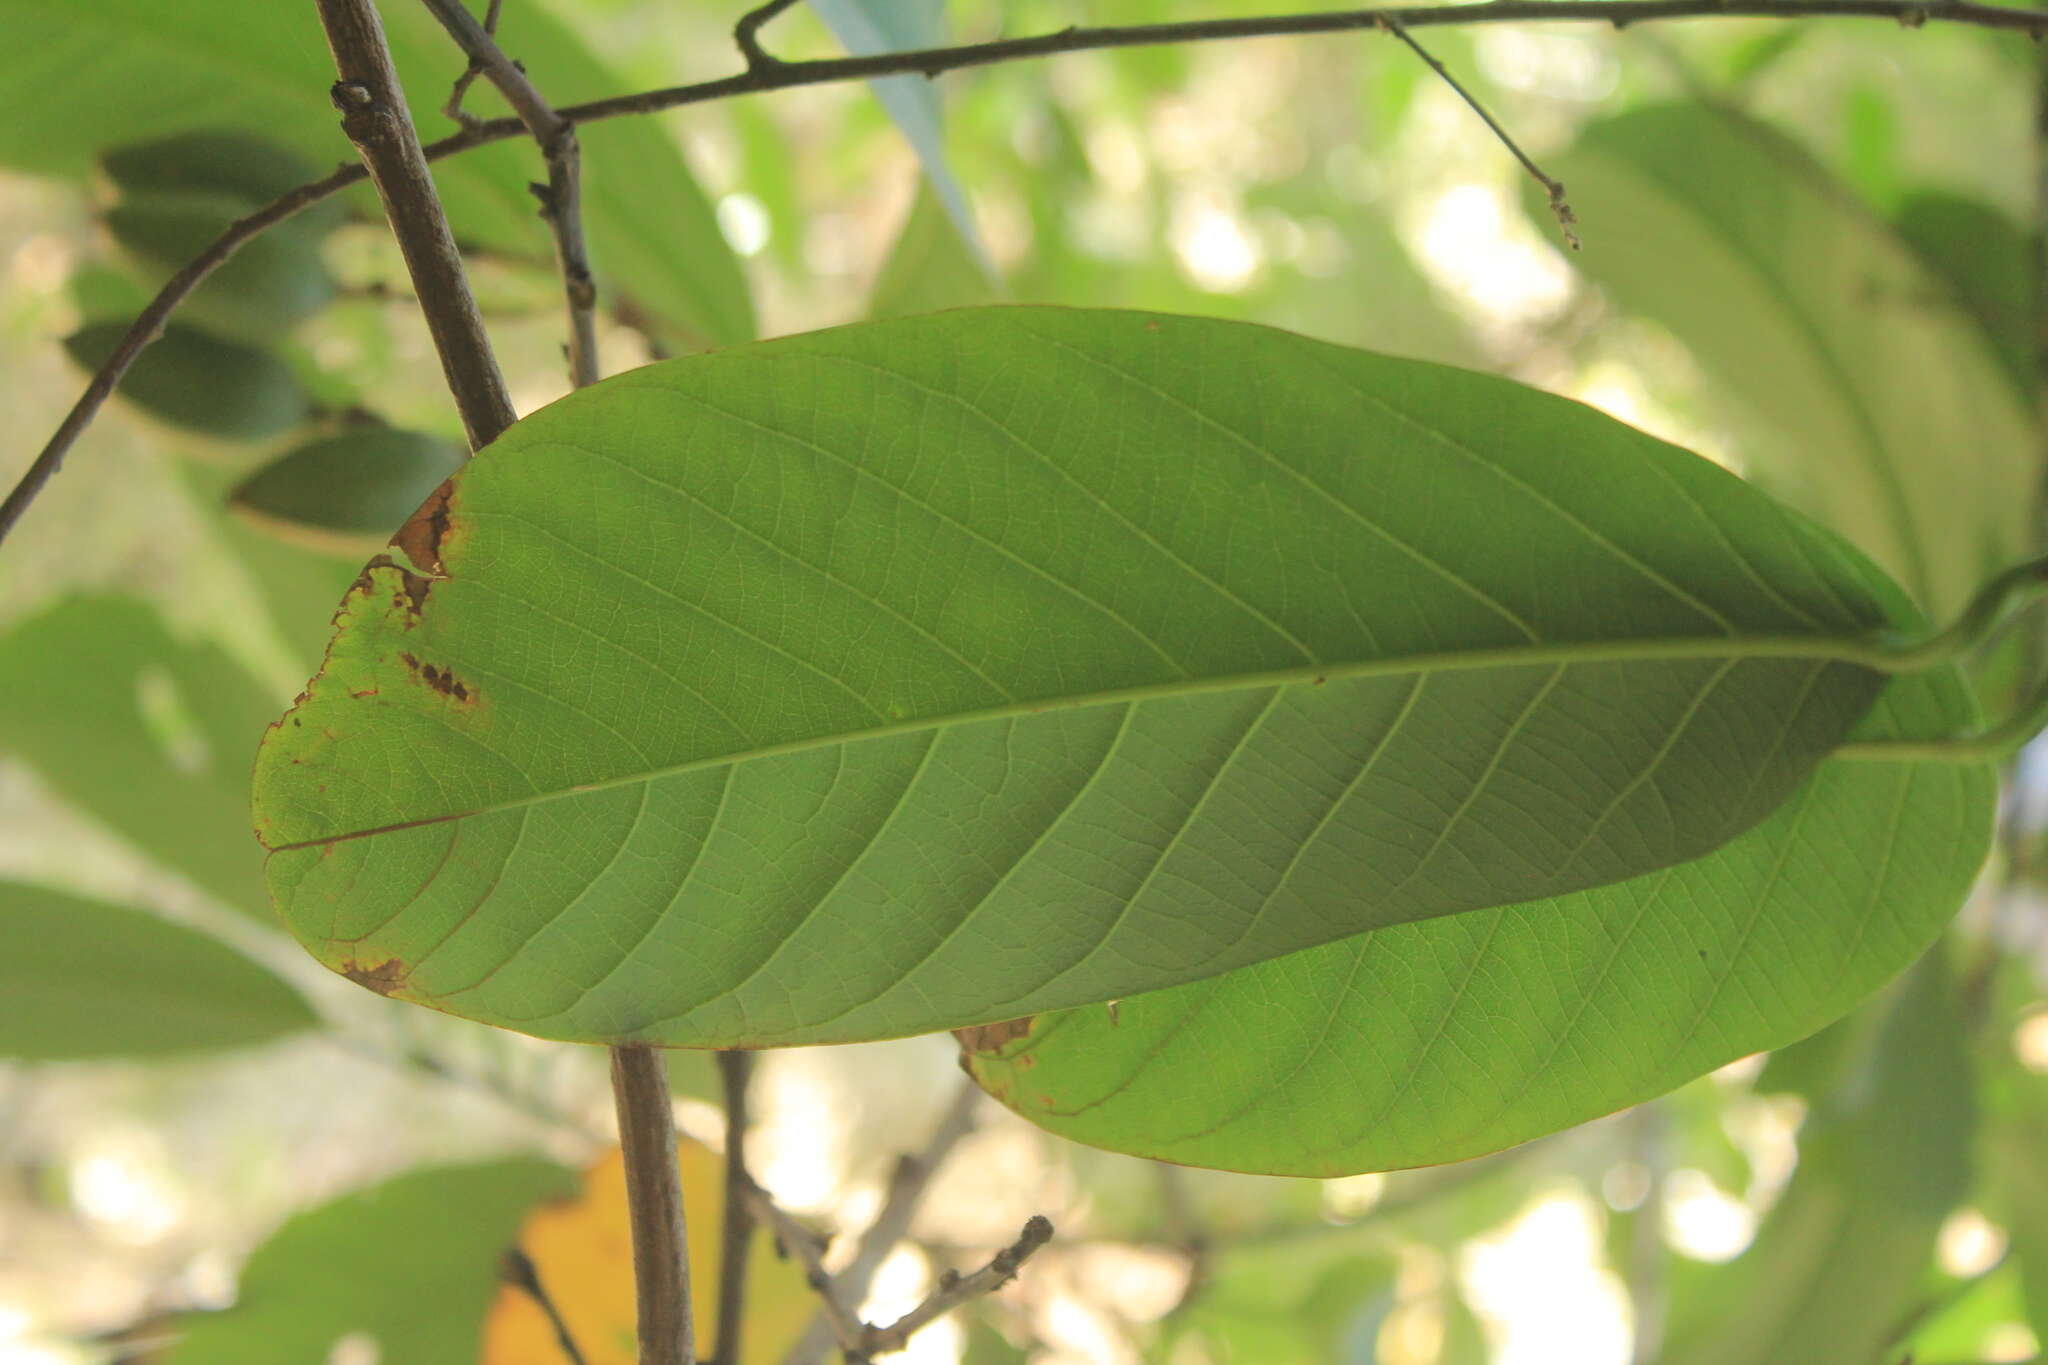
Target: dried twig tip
{"type": "Point", "coordinates": [1561, 208]}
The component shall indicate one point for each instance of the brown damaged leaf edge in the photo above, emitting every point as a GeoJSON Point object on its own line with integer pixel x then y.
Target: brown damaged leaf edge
{"type": "Point", "coordinates": [989, 1037]}
{"type": "Point", "coordinates": [387, 978]}
{"type": "Point", "coordinates": [420, 540]}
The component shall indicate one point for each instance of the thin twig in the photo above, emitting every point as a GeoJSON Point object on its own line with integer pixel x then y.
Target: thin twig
{"type": "Point", "coordinates": [808, 1247]}
{"type": "Point", "coordinates": [1554, 188]}
{"type": "Point", "coordinates": [747, 33]}
{"type": "Point", "coordinates": [561, 199]}
{"type": "Point", "coordinates": [736, 1233]}
{"type": "Point", "coordinates": [907, 1185]}
{"type": "Point", "coordinates": [654, 1201]}
{"type": "Point", "coordinates": [955, 1290]}
{"type": "Point", "coordinates": [781, 75]}
{"type": "Point", "coordinates": [149, 325]}
{"type": "Point", "coordinates": [862, 1340]}
{"type": "Point", "coordinates": [518, 1270]}
{"type": "Point", "coordinates": [374, 116]}
{"type": "Point", "coordinates": [453, 108]}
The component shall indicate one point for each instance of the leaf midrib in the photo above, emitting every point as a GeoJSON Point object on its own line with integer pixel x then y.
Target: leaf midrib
{"type": "Point", "coordinates": [1868, 650]}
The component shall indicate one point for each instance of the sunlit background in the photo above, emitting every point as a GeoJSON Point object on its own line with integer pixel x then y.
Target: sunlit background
{"type": "Point", "coordinates": [1329, 185]}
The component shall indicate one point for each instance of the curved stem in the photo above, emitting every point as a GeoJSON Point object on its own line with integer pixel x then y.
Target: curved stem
{"type": "Point", "coordinates": [1993, 745]}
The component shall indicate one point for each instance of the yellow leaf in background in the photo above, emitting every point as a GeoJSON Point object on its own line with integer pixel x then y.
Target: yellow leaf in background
{"type": "Point", "coordinates": [583, 1251]}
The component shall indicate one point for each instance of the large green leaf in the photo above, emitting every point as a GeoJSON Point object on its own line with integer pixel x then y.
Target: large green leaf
{"type": "Point", "coordinates": [84, 78]}
{"type": "Point", "coordinates": [1443, 1040]}
{"type": "Point", "coordinates": [1870, 399]}
{"type": "Point", "coordinates": [150, 734]}
{"type": "Point", "coordinates": [83, 978]}
{"type": "Point", "coordinates": [411, 1263]}
{"type": "Point", "coordinates": [928, 672]}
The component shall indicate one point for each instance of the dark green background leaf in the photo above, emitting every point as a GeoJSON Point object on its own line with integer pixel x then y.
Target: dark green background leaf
{"type": "Point", "coordinates": [360, 484]}
{"type": "Point", "coordinates": [1990, 264]}
{"type": "Point", "coordinates": [412, 1263]}
{"type": "Point", "coordinates": [265, 289]}
{"type": "Point", "coordinates": [86, 979]}
{"type": "Point", "coordinates": [1884, 1157]}
{"type": "Point", "coordinates": [200, 383]}
{"type": "Point", "coordinates": [148, 733]}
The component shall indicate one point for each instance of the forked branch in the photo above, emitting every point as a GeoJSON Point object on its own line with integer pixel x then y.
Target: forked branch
{"type": "Point", "coordinates": [907, 1186]}
{"type": "Point", "coordinates": [861, 1341]}
{"type": "Point", "coordinates": [374, 115]}
{"type": "Point", "coordinates": [561, 199]}
{"type": "Point", "coordinates": [747, 33]}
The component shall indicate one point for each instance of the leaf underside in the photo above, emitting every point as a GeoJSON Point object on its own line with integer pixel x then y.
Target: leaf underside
{"type": "Point", "coordinates": [1444, 1040]}
{"type": "Point", "coordinates": [924, 673]}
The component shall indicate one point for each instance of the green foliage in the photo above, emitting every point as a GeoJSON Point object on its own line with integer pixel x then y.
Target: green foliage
{"type": "Point", "coordinates": [201, 383]}
{"type": "Point", "coordinates": [247, 169]}
{"type": "Point", "coordinates": [97, 75]}
{"type": "Point", "coordinates": [419, 1255]}
{"type": "Point", "coordinates": [1869, 399]}
{"type": "Point", "coordinates": [353, 487]}
{"type": "Point", "coordinates": [85, 979]}
{"type": "Point", "coordinates": [267, 288]}
{"type": "Point", "coordinates": [150, 734]}
{"type": "Point", "coordinates": [1271, 688]}
{"type": "Point", "coordinates": [1276, 757]}
{"type": "Point", "coordinates": [1885, 1156]}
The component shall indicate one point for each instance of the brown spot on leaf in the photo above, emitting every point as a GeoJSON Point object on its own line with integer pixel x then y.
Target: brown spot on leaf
{"type": "Point", "coordinates": [386, 978]}
{"type": "Point", "coordinates": [442, 680]}
{"type": "Point", "coordinates": [989, 1037]}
